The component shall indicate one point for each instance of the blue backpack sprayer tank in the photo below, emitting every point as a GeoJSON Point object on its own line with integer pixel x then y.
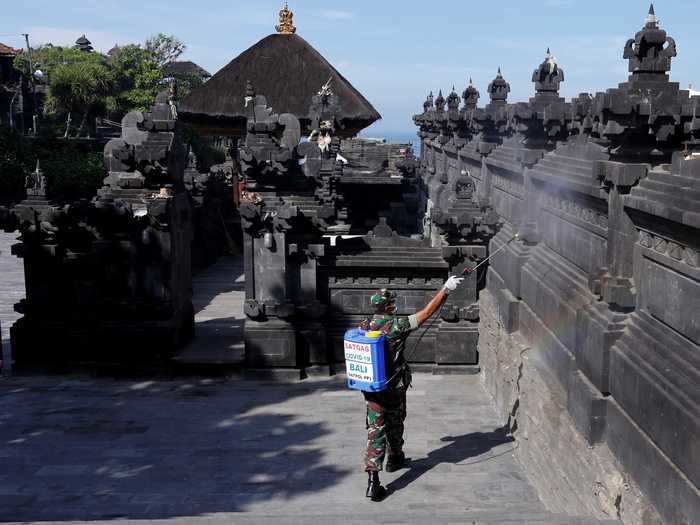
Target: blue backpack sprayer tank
{"type": "Point", "coordinates": [364, 360]}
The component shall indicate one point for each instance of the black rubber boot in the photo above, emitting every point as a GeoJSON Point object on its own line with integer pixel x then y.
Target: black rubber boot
{"type": "Point", "coordinates": [395, 462]}
{"type": "Point", "coordinates": [375, 491]}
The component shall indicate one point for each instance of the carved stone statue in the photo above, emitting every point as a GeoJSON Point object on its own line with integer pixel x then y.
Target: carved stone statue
{"type": "Point", "coordinates": [464, 187]}
{"type": "Point", "coordinates": [35, 182]}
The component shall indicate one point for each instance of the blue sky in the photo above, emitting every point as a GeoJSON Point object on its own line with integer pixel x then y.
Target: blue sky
{"type": "Point", "coordinates": [392, 51]}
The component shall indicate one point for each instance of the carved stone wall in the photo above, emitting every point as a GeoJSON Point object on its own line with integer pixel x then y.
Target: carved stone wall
{"type": "Point", "coordinates": [589, 318]}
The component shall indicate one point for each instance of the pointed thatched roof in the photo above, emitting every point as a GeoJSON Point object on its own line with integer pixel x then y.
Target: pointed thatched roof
{"type": "Point", "coordinates": [185, 67]}
{"type": "Point", "coordinates": [289, 72]}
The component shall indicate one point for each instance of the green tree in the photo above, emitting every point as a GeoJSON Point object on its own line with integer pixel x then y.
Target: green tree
{"type": "Point", "coordinates": [186, 83]}
{"type": "Point", "coordinates": [137, 79]}
{"type": "Point", "coordinates": [78, 82]}
{"type": "Point", "coordinates": [49, 58]}
{"type": "Point", "coordinates": [165, 48]}
{"type": "Point", "coordinates": [12, 165]}
{"type": "Point", "coordinates": [92, 85]}
{"type": "Point", "coordinates": [80, 87]}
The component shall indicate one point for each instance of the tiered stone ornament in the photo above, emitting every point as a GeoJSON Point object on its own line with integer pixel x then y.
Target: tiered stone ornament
{"type": "Point", "coordinates": [286, 23]}
{"type": "Point", "coordinates": [492, 121]}
{"type": "Point", "coordinates": [641, 120]}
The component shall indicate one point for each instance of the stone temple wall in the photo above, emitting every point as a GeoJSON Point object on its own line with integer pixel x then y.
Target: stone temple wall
{"type": "Point", "coordinates": [589, 333]}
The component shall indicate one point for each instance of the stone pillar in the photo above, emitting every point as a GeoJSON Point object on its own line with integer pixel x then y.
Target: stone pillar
{"type": "Point", "coordinates": [485, 189]}
{"type": "Point", "coordinates": [312, 339]}
{"type": "Point", "coordinates": [270, 339]}
{"type": "Point", "coordinates": [618, 288]}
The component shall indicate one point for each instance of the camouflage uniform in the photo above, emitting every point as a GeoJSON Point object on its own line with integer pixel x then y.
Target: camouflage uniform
{"type": "Point", "coordinates": [386, 410]}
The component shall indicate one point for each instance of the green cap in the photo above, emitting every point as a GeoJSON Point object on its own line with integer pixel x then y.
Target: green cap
{"type": "Point", "coordinates": [382, 299]}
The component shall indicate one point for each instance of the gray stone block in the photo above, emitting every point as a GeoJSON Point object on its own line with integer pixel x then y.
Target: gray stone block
{"type": "Point", "coordinates": [587, 408]}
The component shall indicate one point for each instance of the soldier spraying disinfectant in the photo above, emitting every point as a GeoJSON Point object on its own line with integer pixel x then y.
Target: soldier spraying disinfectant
{"type": "Point", "coordinates": [386, 409]}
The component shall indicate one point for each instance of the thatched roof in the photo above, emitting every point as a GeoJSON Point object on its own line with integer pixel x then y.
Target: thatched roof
{"type": "Point", "coordinates": [184, 67]}
{"type": "Point", "coordinates": [289, 72]}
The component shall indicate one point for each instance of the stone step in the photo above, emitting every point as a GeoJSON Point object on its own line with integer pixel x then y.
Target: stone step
{"type": "Point", "coordinates": [689, 193]}
{"type": "Point", "coordinates": [407, 262]}
{"type": "Point", "coordinates": [674, 200]}
{"type": "Point", "coordinates": [567, 162]}
{"type": "Point", "coordinates": [569, 180]}
{"type": "Point", "coordinates": [414, 256]}
{"type": "Point", "coordinates": [558, 172]}
{"type": "Point", "coordinates": [400, 249]}
{"type": "Point", "coordinates": [677, 181]}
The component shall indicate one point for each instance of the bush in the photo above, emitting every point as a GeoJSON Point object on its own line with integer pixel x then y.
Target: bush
{"type": "Point", "coordinates": [73, 172]}
{"type": "Point", "coordinates": [12, 171]}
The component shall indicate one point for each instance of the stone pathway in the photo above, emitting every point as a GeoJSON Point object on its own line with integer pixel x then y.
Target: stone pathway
{"type": "Point", "coordinates": [11, 290]}
{"type": "Point", "coordinates": [246, 452]}
{"type": "Point", "coordinates": [218, 296]}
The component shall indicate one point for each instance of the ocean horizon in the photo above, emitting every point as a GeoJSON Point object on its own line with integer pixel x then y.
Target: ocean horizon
{"type": "Point", "coordinates": [397, 137]}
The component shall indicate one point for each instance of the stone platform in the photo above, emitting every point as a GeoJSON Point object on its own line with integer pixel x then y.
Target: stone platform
{"type": "Point", "coordinates": [205, 451]}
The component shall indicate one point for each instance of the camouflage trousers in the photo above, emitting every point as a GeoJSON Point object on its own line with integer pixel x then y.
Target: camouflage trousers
{"type": "Point", "coordinates": [386, 412]}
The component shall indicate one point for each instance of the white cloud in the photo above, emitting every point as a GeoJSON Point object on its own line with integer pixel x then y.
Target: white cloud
{"type": "Point", "coordinates": [61, 36]}
{"type": "Point", "coordinates": [337, 15]}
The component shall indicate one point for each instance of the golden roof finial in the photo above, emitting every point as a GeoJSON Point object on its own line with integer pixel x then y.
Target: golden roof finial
{"type": "Point", "coordinates": [286, 25]}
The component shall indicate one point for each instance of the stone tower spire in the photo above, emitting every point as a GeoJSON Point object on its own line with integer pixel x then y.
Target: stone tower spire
{"type": "Point", "coordinates": [548, 75]}
{"type": "Point", "coordinates": [453, 100]}
{"type": "Point", "coordinates": [440, 103]}
{"type": "Point", "coordinates": [651, 20]}
{"type": "Point", "coordinates": [498, 89]}
{"type": "Point", "coordinates": [651, 49]}
{"type": "Point", "coordinates": [429, 103]}
{"type": "Point", "coordinates": [470, 96]}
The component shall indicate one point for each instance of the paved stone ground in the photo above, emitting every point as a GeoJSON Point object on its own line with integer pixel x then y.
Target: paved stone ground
{"type": "Point", "coordinates": [11, 290]}
{"type": "Point", "coordinates": [214, 451]}
{"type": "Point", "coordinates": [219, 293]}
{"type": "Point", "coordinates": [77, 450]}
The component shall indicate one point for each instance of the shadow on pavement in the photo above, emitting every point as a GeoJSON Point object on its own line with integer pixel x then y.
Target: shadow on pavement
{"type": "Point", "coordinates": [88, 450]}
{"type": "Point", "coordinates": [458, 449]}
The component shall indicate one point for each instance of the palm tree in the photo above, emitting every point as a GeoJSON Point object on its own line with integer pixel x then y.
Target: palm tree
{"type": "Point", "coordinates": [78, 87]}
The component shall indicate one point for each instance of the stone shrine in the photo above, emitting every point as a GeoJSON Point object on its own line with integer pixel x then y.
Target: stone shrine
{"type": "Point", "coordinates": [328, 218]}
{"type": "Point", "coordinates": [110, 279]}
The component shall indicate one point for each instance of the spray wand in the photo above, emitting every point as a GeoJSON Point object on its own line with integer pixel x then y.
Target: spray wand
{"type": "Point", "coordinates": [466, 271]}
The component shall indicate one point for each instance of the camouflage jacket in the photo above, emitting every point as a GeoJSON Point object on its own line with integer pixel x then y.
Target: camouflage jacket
{"type": "Point", "coordinates": [396, 331]}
